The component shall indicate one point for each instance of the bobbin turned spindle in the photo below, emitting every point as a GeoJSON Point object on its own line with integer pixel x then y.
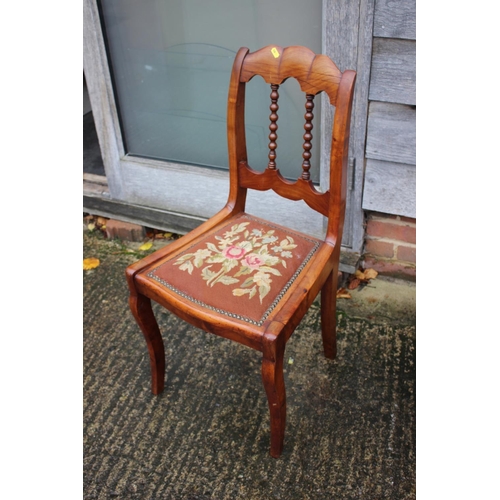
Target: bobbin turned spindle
{"type": "Point", "coordinates": [273, 127]}
{"type": "Point", "coordinates": [308, 126]}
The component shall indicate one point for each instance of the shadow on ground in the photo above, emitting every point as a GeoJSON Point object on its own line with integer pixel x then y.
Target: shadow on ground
{"type": "Point", "coordinates": [351, 422]}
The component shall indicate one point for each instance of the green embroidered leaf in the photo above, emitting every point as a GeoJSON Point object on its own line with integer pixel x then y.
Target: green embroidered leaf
{"type": "Point", "coordinates": [270, 270]}
{"type": "Point", "coordinates": [241, 227]}
{"type": "Point", "coordinates": [283, 262]}
{"type": "Point", "coordinates": [246, 234]}
{"type": "Point", "coordinates": [248, 282]}
{"type": "Point", "coordinates": [212, 247]}
{"type": "Point", "coordinates": [187, 266]}
{"type": "Point", "coordinates": [229, 264]}
{"type": "Point", "coordinates": [225, 242]}
{"type": "Point", "coordinates": [262, 278]}
{"type": "Point", "coordinates": [200, 255]}
{"type": "Point", "coordinates": [239, 292]}
{"type": "Point", "coordinates": [270, 239]}
{"type": "Point", "coordinates": [216, 258]}
{"type": "Point", "coordinates": [271, 260]}
{"type": "Point", "coordinates": [227, 280]}
{"type": "Point", "coordinates": [288, 244]}
{"type": "Point", "coordinates": [263, 291]}
{"type": "Point", "coordinates": [207, 274]}
{"type": "Point", "coordinates": [243, 270]}
{"type": "Point", "coordinates": [263, 250]}
{"type": "Point", "coordinates": [180, 260]}
{"type": "Point", "coordinates": [246, 245]}
{"type": "Point", "coordinates": [237, 228]}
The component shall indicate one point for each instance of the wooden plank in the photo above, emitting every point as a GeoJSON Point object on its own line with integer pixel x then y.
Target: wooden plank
{"type": "Point", "coordinates": [347, 39]}
{"type": "Point", "coordinates": [395, 19]}
{"type": "Point", "coordinates": [95, 179]}
{"type": "Point", "coordinates": [144, 216]}
{"type": "Point", "coordinates": [390, 188]}
{"type": "Point", "coordinates": [100, 91]}
{"type": "Point", "coordinates": [391, 134]}
{"type": "Point", "coordinates": [393, 75]}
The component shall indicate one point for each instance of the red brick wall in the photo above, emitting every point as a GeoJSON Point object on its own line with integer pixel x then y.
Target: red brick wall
{"type": "Point", "coordinates": [390, 245]}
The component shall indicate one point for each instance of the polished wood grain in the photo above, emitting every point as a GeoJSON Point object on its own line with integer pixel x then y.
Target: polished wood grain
{"type": "Point", "coordinates": [140, 306]}
{"type": "Point", "coordinates": [292, 190]}
{"type": "Point", "coordinates": [315, 73]}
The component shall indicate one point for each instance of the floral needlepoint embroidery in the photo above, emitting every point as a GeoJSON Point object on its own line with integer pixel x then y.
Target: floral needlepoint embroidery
{"type": "Point", "coordinates": [241, 270]}
{"type": "Point", "coordinates": [242, 259]}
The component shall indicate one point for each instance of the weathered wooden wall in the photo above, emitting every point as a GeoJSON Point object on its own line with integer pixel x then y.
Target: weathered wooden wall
{"type": "Point", "coordinates": [391, 132]}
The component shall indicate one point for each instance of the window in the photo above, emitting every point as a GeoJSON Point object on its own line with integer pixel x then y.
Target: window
{"type": "Point", "coordinates": [171, 61]}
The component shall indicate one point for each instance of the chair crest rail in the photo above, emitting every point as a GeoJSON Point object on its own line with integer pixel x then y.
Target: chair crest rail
{"type": "Point", "coordinates": [314, 72]}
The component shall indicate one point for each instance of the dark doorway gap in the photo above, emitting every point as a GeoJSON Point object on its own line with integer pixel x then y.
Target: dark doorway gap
{"type": "Point", "coordinates": [92, 159]}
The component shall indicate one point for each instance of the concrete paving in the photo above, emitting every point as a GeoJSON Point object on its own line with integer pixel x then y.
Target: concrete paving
{"type": "Point", "coordinates": [351, 422]}
{"type": "Point", "coordinates": [382, 300]}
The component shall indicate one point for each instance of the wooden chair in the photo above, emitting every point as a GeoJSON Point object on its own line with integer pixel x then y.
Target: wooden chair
{"type": "Point", "coordinates": [240, 276]}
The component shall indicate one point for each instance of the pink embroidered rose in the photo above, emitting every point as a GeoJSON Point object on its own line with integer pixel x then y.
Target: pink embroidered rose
{"type": "Point", "coordinates": [253, 261]}
{"type": "Point", "coordinates": [233, 252]}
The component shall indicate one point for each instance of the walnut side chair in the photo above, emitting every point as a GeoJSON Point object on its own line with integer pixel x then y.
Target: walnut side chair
{"type": "Point", "coordinates": [242, 277]}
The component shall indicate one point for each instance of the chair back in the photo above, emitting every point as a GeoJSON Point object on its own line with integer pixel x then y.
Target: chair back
{"type": "Point", "coordinates": [314, 73]}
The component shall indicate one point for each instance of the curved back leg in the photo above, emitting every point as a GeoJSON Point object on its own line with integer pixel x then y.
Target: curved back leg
{"type": "Point", "coordinates": [329, 315]}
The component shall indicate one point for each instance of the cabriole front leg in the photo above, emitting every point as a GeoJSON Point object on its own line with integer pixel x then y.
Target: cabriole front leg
{"type": "Point", "coordinates": [140, 306]}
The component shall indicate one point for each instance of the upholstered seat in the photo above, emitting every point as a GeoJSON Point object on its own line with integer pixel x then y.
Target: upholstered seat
{"type": "Point", "coordinates": [241, 269]}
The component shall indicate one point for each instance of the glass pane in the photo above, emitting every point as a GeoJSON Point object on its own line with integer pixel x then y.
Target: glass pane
{"type": "Point", "coordinates": [171, 61]}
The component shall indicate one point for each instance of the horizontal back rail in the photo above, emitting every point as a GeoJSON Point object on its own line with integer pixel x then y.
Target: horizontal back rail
{"type": "Point", "coordinates": [293, 190]}
{"type": "Point", "coordinates": [314, 72]}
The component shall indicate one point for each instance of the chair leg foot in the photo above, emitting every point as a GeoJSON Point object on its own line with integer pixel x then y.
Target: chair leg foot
{"type": "Point", "coordinates": [140, 306]}
{"type": "Point", "coordinates": [274, 384]}
{"type": "Point", "coordinates": [329, 316]}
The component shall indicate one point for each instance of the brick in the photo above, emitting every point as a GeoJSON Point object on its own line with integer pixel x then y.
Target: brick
{"type": "Point", "coordinates": [391, 230]}
{"type": "Point", "coordinates": [380, 248]}
{"type": "Point", "coordinates": [124, 230]}
{"type": "Point", "coordinates": [406, 253]}
{"type": "Point", "coordinates": [391, 268]}
{"type": "Point", "coordinates": [381, 216]}
{"type": "Point", "coordinates": [408, 219]}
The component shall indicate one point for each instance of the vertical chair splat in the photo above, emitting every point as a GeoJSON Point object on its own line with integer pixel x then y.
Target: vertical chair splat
{"type": "Point", "coordinates": [308, 126]}
{"type": "Point", "coordinates": [273, 127]}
